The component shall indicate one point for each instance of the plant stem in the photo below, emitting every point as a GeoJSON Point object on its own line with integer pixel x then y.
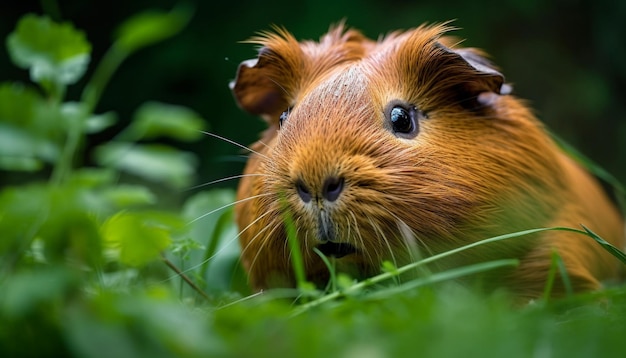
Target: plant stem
{"type": "Point", "coordinates": [103, 73]}
{"type": "Point", "coordinates": [90, 97]}
{"type": "Point", "coordinates": [64, 165]}
{"type": "Point", "coordinates": [171, 265]}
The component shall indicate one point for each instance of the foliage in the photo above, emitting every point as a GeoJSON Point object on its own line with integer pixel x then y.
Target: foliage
{"type": "Point", "coordinates": [77, 239]}
{"type": "Point", "coordinates": [93, 263]}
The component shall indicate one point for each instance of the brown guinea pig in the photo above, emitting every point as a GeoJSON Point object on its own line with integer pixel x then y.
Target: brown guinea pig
{"type": "Point", "coordinates": [401, 148]}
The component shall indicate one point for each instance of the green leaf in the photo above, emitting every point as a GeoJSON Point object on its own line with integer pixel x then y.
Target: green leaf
{"type": "Point", "coordinates": [138, 238]}
{"type": "Point", "coordinates": [92, 177]}
{"type": "Point", "coordinates": [18, 104]}
{"type": "Point", "coordinates": [72, 235]}
{"type": "Point", "coordinates": [22, 213]}
{"type": "Point", "coordinates": [99, 122]}
{"type": "Point", "coordinates": [150, 27]}
{"type": "Point", "coordinates": [210, 218]}
{"type": "Point", "coordinates": [22, 107]}
{"type": "Point", "coordinates": [74, 114]}
{"type": "Point", "coordinates": [70, 229]}
{"type": "Point", "coordinates": [155, 162]}
{"type": "Point", "coordinates": [24, 291]}
{"type": "Point", "coordinates": [56, 53]}
{"type": "Point", "coordinates": [18, 143]}
{"type": "Point", "coordinates": [129, 195]}
{"type": "Point", "coordinates": [20, 163]}
{"type": "Point", "coordinates": [62, 217]}
{"type": "Point", "coordinates": [20, 148]}
{"type": "Point", "coordinates": [388, 266]}
{"type": "Point", "coordinates": [139, 324]}
{"type": "Point", "coordinates": [154, 119]}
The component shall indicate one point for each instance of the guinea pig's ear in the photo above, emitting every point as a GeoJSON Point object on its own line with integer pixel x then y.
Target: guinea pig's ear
{"type": "Point", "coordinates": [255, 88]}
{"type": "Point", "coordinates": [478, 77]}
{"type": "Point", "coordinates": [491, 79]}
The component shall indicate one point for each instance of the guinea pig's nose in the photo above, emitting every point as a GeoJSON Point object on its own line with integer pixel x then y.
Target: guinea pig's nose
{"type": "Point", "coordinates": [303, 191]}
{"type": "Point", "coordinates": [331, 189]}
{"type": "Point", "coordinates": [333, 186]}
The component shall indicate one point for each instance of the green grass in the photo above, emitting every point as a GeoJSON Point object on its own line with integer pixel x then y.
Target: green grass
{"type": "Point", "coordinates": [93, 266]}
{"type": "Point", "coordinates": [445, 321]}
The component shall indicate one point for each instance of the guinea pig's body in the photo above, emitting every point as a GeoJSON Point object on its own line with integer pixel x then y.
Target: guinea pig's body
{"type": "Point", "coordinates": [403, 148]}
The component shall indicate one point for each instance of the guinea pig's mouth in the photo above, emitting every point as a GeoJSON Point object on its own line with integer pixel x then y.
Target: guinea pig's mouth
{"type": "Point", "coordinates": [336, 249]}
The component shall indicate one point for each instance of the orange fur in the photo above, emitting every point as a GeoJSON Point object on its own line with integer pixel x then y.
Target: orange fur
{"type": "Point", "coordinates": [476, 169]}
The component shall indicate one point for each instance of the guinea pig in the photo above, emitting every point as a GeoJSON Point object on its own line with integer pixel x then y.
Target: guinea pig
{"type": "Point", "coordinates": [404, 147]}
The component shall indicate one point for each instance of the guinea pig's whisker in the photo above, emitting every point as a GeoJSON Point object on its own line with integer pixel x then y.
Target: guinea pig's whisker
{"type": "Point", "coordinates": [250, 225]}
{"type": "Point", "coordinates": [424, 245]}
{"type": "Point", "coordinates": [234, 143]}
{"type": "Point", "coordinates": [287, 248]}
{"type": "Point", "coordinates": [260, 232]}
{"type": "Point", "coordinates": [383, 240]}
{"type": "Point", "coordinates": [226, 206]}
{"type": "Point", "coordinates": [410, 238]}
{"type": "Point", "coordinates": [219, 251]}
{"type": "Point", "coordinates": [348, 231]}
{"type": "Point", "coordinates": [278, 85]}
{"type": "Point", "coordinates": [264, 238]}
{"type": "Point", "coordinates": [307, 250]}
{"type": "Point", "coordinates": [263, 144]}
{"type": "Point", "coordinates": [359, 237]}
{"type": "Point", "coordinates": [388, 245]}
{"type": "Point", "coordinates": [226, 179]}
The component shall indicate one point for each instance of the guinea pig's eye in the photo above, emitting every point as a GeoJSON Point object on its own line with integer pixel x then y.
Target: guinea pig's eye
{"type": "Point", "coordinates": [283, 116]}
{"type": "Point", "coordinates": [403, 120]}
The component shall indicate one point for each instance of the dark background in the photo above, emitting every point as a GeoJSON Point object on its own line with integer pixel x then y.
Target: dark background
{"type": "Point", "coordinates": [568, 58]}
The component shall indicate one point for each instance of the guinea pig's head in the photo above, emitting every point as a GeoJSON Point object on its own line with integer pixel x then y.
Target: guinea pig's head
{"type": "Point", "coordinates": [382, 150]}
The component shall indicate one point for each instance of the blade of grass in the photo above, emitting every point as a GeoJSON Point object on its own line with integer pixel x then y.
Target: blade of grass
{"type": "Point", "coordinates": [557, 264]}
{"type": "Point", "coordinates": [294, 247]}
{"type": "Point", "coordinates": [547, 289]}
{"type": "Point", "coordinates": [221, 225]}
{"type": "Point", "coordinates": [330, 267]}
{"type": "Point", "coordinates": [451, 274]}
{"type": "Point", "coordinates": [607, 246]}
{"type": "Point", "coordinates": [567, 282]}
{"type": "Point", "coordinates": [595, 169]}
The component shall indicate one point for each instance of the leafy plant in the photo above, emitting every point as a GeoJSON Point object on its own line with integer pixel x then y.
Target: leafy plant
{"type": "Point", "coordinates": [76, 236]}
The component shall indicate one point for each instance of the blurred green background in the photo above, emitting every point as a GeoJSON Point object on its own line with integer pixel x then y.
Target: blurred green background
{"type": "Point", "coordinates": [568, 58]}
